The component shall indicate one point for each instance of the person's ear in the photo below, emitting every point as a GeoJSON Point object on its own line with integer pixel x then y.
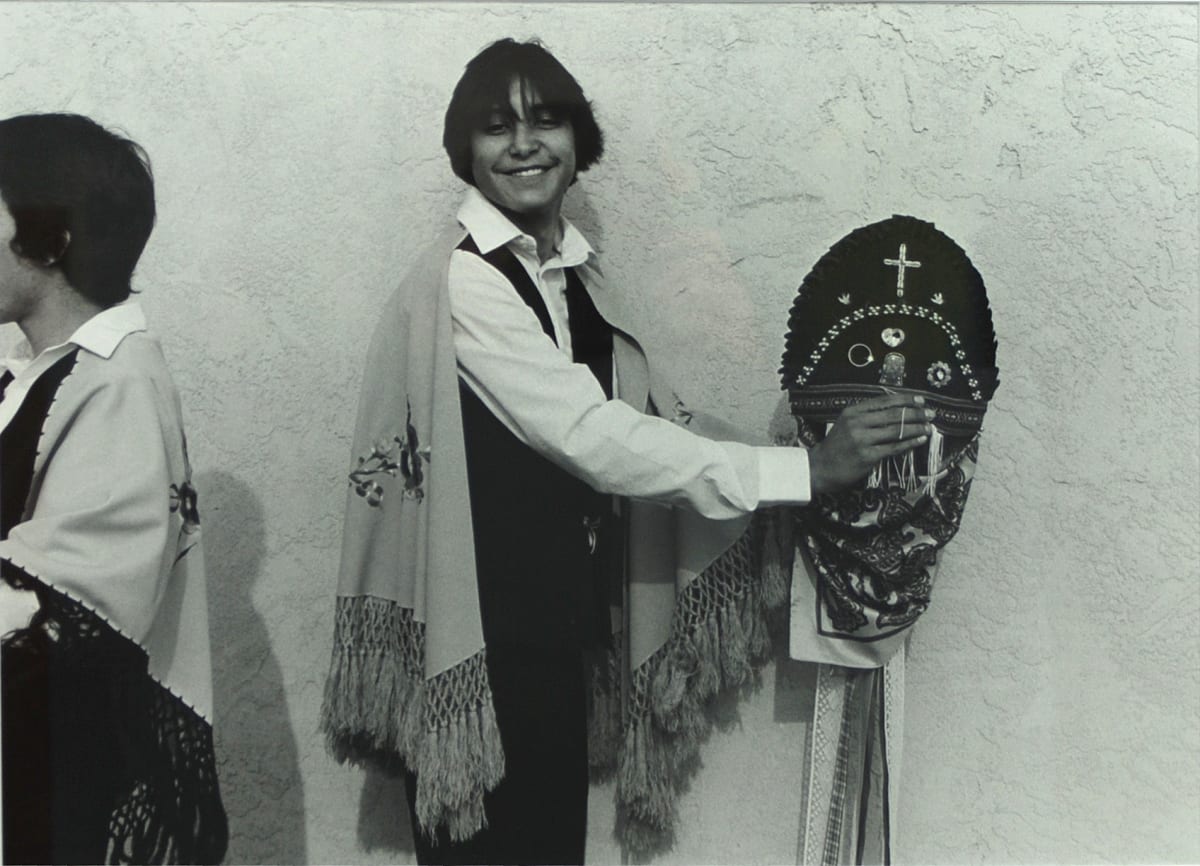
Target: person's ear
{"type": "Point", "coordinates": [60, 249]}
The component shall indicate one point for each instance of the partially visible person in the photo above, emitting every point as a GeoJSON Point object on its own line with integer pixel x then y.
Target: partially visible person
{"type": "Point", "coordinates": [107, 685]}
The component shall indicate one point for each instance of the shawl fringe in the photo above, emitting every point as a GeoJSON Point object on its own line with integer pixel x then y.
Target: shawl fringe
{"type": "Point", "coordinates": [720, 636]}
{"type": "Point", "coordinates": [604, 712]}
{"type": "Point", "coordinates": [77, 676]}
{"type": "Point", "coordinates": [379, 710]}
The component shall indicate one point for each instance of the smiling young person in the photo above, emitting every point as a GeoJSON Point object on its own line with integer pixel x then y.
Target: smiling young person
{"type": "Point", "coordinates": [508, 416]}
{"type": "Point", "coordinates": [107, 693]}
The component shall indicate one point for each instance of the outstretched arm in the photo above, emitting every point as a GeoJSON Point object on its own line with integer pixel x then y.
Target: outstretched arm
{"type": "Point", "coordinates": [557, 407]}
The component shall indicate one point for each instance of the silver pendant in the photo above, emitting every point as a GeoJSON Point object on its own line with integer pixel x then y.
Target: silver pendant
{"type": "Point", "coordinates": [893, 369]}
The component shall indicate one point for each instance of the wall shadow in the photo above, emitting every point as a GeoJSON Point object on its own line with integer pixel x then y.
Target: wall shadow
{"type": "Point", "coordinates": [579, 209]}
{"type": "Point", "coordinates": [383, 822]}
{"type": "Point", "coordinates": [258, 761]}
{"type": "Point", "coordinates": [795, 689]}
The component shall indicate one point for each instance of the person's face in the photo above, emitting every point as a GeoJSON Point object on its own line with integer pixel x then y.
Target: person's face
{"type": "Point", "coordinates": [19, 278]}
{"type": "Point", "coordinates": [524, 162]}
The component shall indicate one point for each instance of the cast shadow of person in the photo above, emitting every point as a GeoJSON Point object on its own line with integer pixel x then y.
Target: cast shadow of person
{"type": "Point", "coordinates": [383, 822]}
{"type": "Point", "coordinates": [258, 761]}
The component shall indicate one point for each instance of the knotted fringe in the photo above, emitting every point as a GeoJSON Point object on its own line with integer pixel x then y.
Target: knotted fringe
{"type": "Point", "coordinates": [775, 544]}
{"type": "Point", "coordinates": [156, 775]}
{"type": "Point", "coordinates": [604, 712]}
{"type": "Point", "coordinates": [719, 637]}
{"type": "Point", "coordinates": [379, 710]}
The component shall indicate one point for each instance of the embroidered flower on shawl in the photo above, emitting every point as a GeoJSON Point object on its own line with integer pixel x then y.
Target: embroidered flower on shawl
{"type": "Point", "coordinates": [384, 460]}
{"type": "Point", "coordinates": [185, 501]}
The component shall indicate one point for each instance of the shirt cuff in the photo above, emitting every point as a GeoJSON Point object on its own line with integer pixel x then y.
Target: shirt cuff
{"type": "Point", "coordinates": [783, 476]}
{"type": "Point", "coordinates": [17, 607]}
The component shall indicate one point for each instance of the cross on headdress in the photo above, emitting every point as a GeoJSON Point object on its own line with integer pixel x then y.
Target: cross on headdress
{"type": "Point", "coordinates": [901, 263]}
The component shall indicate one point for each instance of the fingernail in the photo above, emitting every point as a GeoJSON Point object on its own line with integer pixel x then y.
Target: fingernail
{"type": "Point", "coordinates": [921, 439]}
{"type": "Point", "coordinates": [931, 413]}
{"type": "Point", "coordinates": [920, 401]}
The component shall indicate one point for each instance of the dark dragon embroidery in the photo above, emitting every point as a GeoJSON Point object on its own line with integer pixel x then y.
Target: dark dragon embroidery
{"type": "Point", "coordinates": [185, 502]}
{"type": "Point", "coordinates": [401, 454]}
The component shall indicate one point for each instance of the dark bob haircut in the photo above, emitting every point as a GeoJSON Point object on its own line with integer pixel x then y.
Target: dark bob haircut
{"type": "Point", "coordinates": [64, 173]}
{"type": "Point", "coordinates": [485, 84]}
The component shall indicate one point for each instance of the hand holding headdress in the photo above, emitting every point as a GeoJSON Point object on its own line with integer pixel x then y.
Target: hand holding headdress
{"type": "Point", "coordinates": [894, 307]}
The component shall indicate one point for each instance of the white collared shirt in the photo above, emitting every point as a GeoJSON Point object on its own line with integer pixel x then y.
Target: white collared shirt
{"type": "Point", "coordinates": [100, 335]}
{"type": "Point", "coordinates": [558, 408]}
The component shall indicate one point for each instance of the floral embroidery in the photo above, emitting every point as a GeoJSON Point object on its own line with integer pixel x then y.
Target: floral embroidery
{"type": "Point", "coordinates": [185, 501]}
{"type": "Point", "coordinates": [384, 460]}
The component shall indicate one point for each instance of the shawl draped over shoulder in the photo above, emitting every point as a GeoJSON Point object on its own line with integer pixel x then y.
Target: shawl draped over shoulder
{"type": "Point", "coordinates": [408, 685]}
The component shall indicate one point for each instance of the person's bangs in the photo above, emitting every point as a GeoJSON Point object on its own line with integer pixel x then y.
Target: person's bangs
{"type": "Point", "coordinates": [487, 96]}
{"type": "Point", "coordinates": [493, 98]}
{"type": "Point", "coordinates": [549, 89]}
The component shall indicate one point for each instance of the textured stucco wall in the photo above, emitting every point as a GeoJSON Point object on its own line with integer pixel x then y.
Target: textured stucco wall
{"type": "Point", "coordinates": [1053, 689]}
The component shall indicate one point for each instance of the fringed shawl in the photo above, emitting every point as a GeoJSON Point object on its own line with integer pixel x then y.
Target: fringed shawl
{"type": "Point", "coordinates": [408, 684]}
{"type": "Point", "coordinates": [108, 690]}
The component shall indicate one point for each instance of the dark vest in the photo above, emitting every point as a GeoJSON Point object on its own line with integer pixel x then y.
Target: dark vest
{"type": "Point", "coordinates": [545, 542]}
{"type": "Point", "coordinates": [20, 439]}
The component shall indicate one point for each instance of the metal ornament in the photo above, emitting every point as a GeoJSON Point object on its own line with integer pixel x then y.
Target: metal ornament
{"type": "Point", "coordinates": [892, 336]}
{"type": "Point", "coordinates": [870, 359]}
{"type": "Point", "coordinates": [939, 374]}
{"type": "Point", "coordinates": [893, 370]}
{"type": "Point", "coordinates": [900, 264]}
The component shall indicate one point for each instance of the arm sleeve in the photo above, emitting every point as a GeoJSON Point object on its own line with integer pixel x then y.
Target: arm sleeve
{"type": "Point", "coordinates": [100, 524]}
{"type": "Point", "coordinates": [558, 408]}
{"type": "Point", "coordinates": [16, 607]}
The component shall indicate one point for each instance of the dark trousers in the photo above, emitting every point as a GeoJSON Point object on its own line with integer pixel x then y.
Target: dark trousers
{"type": "Point", "coordinates": [538, 812]}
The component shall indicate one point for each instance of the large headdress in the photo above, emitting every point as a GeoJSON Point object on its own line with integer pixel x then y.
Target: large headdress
{"type": "Point", "coordinates": [895, 306]}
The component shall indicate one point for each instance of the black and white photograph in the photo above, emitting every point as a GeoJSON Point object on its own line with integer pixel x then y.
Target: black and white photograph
{"type": "Point", "coordinates": [600, 432]}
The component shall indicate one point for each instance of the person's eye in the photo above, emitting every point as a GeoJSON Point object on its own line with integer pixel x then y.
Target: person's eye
{"type": "Point", "coordinates": [547, 120]}
{"type": "Point", "coordinates": [495, 126]}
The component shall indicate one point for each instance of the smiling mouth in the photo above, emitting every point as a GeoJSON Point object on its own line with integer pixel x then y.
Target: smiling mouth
{"type": "Point", "coordinates": [530, 171]}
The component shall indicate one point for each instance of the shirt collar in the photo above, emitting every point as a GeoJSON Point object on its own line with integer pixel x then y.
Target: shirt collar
{"type": "Point", "coordinates": [100, 335]}
{"type": "Point", "coordinates": [103, 332]}
{"type": "Point", "coordinates": [491, 229]}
